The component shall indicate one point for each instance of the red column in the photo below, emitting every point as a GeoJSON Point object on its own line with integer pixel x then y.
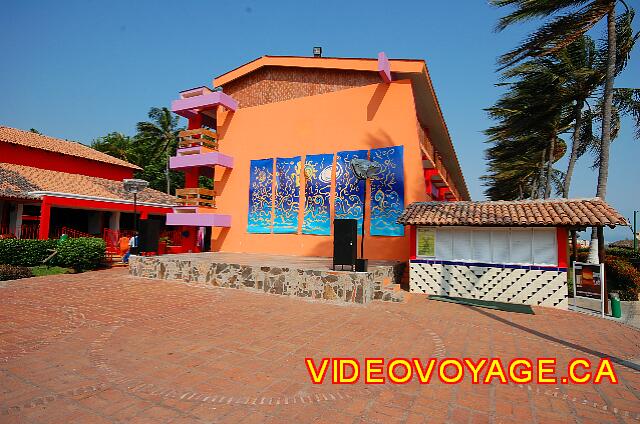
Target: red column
{"type": "Point", "coordinates": [563, 247]}
{"type": "Point", "coordinates": [441, 192]}
{"type": "Point", "coordinates": [428, 183]}
{"type": "Point", "coordinates": [195, 122]}
{"type": "Point", "coordinates": [191, 177]}
{"type": "Point", "coordinates": [45, 217]}
{"type": "Point", "coordinates": [412, 240]}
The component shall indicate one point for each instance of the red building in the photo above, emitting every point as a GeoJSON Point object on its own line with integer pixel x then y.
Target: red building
{"type": "Point", "coordinates": [47, 184]}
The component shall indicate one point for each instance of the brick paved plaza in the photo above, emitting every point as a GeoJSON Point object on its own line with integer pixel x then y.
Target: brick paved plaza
{"type": "Point", "coordinates": [107, 347]}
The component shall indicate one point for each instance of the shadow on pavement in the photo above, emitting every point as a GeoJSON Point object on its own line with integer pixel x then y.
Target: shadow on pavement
{"type": "Point", "coordinates": [614, 359]}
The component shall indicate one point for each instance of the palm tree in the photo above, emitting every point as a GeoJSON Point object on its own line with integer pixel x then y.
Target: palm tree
{"type": "Point", "coordinates": [578, 64]}
{"type": "Point", "coordinates": [567, 21]}
{"type": "Point", "coordinates": [160, 137]}
{"type": "Point", "coordinates": [531, 115]}
{"type": "Point", "coordinates": [114, 144]}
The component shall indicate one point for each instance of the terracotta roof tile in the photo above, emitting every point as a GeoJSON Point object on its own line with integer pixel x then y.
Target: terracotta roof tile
{"type": "Point", "coordinates": [553, 212]}
{"type": "Point", "coordinates": [17, 181]}
{"type": "Point", "coordinates": [71, 148]}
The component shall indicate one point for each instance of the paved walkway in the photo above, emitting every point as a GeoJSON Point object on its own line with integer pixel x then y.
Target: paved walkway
{"type": "Point", "coordinates": [106, 347]}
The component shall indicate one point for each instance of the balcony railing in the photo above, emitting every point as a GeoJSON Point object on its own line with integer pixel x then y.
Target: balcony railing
{"type": "Point", "coordinates": [202, 197]}
{"type": "Point", "coordinates": [198, 137]}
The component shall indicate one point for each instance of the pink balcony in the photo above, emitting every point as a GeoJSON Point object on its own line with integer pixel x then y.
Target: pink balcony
{"type": "Point", "coordinates": [191, 216]}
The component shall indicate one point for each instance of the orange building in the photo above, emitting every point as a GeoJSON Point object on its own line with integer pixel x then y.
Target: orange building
{"type": "Point", "coordinates": [279, 113]}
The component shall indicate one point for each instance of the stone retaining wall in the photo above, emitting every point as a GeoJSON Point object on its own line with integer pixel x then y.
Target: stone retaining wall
{"type": "Point", "coordinates": [339, 286]}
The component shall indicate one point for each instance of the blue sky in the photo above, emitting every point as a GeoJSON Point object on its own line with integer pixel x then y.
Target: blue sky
{"type": "Point", "coordinates": [81, 69]}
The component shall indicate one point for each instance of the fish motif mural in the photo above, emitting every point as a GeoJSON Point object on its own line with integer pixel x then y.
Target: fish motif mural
{"type": "Point", "coordinates": [387, 192]}
{"type": "Point", "coordinates": [349, 190]}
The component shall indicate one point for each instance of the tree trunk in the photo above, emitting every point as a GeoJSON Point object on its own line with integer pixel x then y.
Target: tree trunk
{"type": "Point", "coordinates": [168, 176]}
{"type": "Point", "coordinates": [552, 150]}
{"type": "Point", "coordinates": [541, 175]}
{"type": "Point", "coordinates": [575, 145]}
{"type": "Point", "coordinates": [534, 189]}
{"type": "Point", "coordinates": [603, 170]}
{"type": "Point", "coordinates": [520, 192]}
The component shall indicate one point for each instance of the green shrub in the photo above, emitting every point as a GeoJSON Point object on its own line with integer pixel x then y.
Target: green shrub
{"type": "Point", "coordinates": [81, 254]}
{"type": "Point", "coordinates": [622, 277]}
{"type": "Point", "coordinates": [621, 252]}
{"type": "Point", "coordinates": [78, 253]}
{"type": "Point", "coordinates": [12, 272]}
{"type": "Point", "coordinates": [24, 252]}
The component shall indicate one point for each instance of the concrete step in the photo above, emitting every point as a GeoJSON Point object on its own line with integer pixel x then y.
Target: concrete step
{"type": "Point", "coordinates": [395, 293]}
{"type": "Point", "coordinates": [392, 296]}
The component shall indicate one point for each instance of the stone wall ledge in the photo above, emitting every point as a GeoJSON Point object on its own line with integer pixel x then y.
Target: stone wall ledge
{"type": "Point", "coordinates": [288, 280]}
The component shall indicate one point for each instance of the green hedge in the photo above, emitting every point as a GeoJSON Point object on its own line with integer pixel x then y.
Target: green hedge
{"type": "Point", "coordinates": [83, 253]}
{"type": "Point", "coordinates": [622, 277]}
{"type": "Point", "coordinates": [621, 252]}
{"type": "Point", "coordinates": [25, 252]}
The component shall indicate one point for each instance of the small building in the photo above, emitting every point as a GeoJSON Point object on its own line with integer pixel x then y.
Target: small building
{"type": "Point", "coordinates": [278, 133]}
{"type": "Point", "coordinates": [506, 251]}
{"type": "Point", "coordinates": [47, 184]}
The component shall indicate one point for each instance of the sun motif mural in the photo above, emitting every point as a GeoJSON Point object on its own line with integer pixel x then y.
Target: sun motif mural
{"type": "Point", "coordinates": [317, 211]}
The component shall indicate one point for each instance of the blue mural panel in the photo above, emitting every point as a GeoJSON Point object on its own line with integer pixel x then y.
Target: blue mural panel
{"type": "Point", "coordinates": [349, 191]}
{"type": "Point", "coordinates": [287, 201]}
{"type": "Point", "coordinates": [260, 196]}
{"type": "Point", "coordinates": [317, 213]}
{"type": "Point", "coordinates": [387, 192]}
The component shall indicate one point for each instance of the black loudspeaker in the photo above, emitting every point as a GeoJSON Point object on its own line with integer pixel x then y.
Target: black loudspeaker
{"type": "Point", "coordinates": [362, 265]}
{"type": "Point", "coordinates": [345, 242]}
{"type": "Point", "coordinates": [149, 235]}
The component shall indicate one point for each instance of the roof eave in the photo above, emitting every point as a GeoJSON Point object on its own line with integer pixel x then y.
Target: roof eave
{"type": "Point", "coordinates": [345, 63]}
{"type": "Point", "coordinates": [40, 194]}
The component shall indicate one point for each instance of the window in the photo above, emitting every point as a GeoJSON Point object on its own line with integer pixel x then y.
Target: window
{"type": "Point", "coordinates": [520, 246]}
{"type": "Point", "coordinates": [545, 250]}
{"type": "Point", "coordinates": [500, 246]}
{"type": "Point", "coordinates": [523, 246]}
{"type": "Point", "coordinates": [462, 249]}
{"type": "Point", "coordinates": [444, 245]}
{"type": "Point", "coordinates": [482, 246]}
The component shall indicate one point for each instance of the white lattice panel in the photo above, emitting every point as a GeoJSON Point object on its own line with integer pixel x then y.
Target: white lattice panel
{"type": "Point", "coordinates": [530, 287]}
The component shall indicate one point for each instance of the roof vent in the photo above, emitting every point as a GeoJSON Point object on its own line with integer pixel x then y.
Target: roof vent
{"type": "Point", "coordinates": [317, 52]}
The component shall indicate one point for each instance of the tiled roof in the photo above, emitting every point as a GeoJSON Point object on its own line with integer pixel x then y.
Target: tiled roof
{"type": "Point", "coordinates": [551, 213]}
{"type": "Point", "coordinates": [71, 148]}
{"type": "Point", "coordinates": [17, 181]}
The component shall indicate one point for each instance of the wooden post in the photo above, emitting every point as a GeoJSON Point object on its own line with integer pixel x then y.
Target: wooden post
{"type": "Point", "coordinates": [601, 255]}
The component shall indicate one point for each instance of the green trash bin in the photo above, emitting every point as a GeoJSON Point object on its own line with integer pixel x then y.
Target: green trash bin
{"type": "Point", "coordinates": [616, 312]}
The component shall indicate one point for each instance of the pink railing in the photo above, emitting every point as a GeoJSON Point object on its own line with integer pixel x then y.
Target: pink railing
{"type": "Point", "coordinates": [112, 237]}
{"type": "Point", "coordinates": [71, 232]}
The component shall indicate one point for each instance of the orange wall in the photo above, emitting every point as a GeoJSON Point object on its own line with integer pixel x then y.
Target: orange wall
{"type": "Point", "coordinates": [372, 116]}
